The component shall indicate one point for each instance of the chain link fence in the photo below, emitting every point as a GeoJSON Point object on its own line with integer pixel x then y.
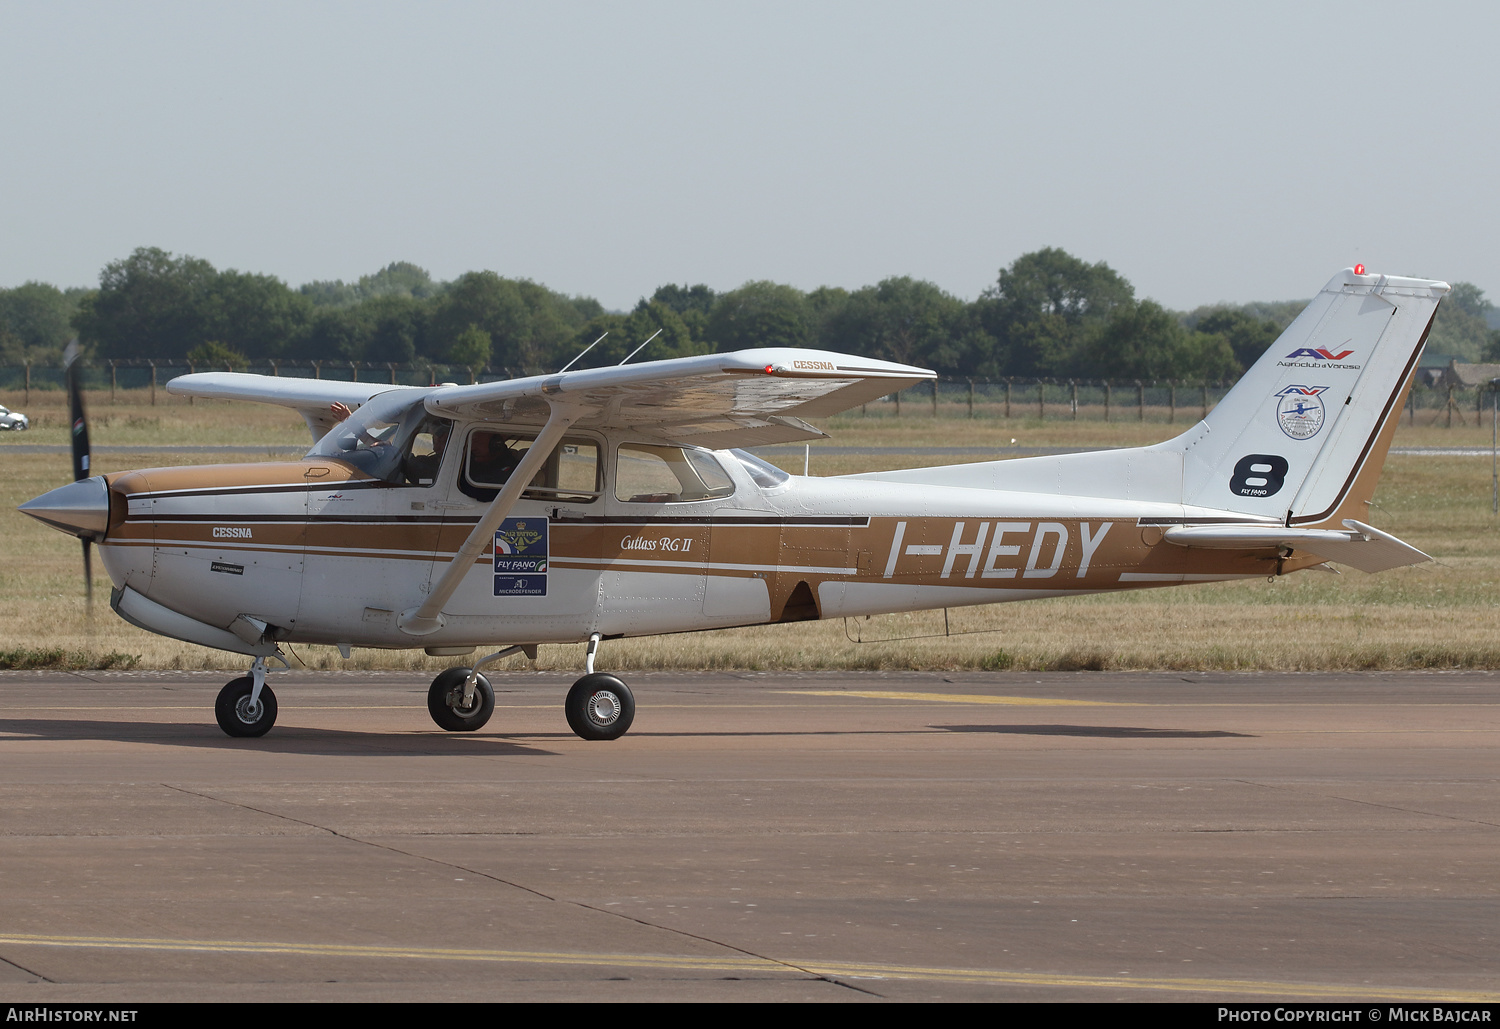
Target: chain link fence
{"type": "Point", "coordinates": [138, 382]}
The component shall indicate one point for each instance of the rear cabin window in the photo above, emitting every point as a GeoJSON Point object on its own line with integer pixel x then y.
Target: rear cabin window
{"type": "Point", "coordinates": [648, 474]}
{"type": "Point", "coordinates": [570, 473]}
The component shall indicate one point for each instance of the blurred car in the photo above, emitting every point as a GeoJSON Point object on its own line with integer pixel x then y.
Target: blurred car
{"type": "Point", "coordinates": [13, 419]}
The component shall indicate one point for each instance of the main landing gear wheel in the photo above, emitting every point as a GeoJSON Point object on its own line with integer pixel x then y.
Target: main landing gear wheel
{"type": "Point", "coordinates": [236, 715]}
{"type": "Point", "coordinates": [600, 707]}
{"type": "Point", "coordinates": [445, 701]}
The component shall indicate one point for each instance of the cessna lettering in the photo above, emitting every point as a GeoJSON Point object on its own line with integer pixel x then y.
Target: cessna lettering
{"type": "Point", "coordinates": [586, 506]}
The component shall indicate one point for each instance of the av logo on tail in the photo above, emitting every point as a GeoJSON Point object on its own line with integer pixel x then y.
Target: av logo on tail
{"type": "Point", "coordinates": [1318, 354]}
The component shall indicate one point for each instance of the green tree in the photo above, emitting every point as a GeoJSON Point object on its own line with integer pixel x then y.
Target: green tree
{"type": "Point", "coordinates": [1044, 309]}
{"type": "Point", "coordinates": [627, 332]}
{"type": "Point", "coordinates": [339, 334]}
{"type": "Point", "coordinates": [213, 355]}
{"type": "Point", "coordinates": [35, 322]}
{"type": "Point", "coordinates": [1247, 336]}
{"type": "Point", "coordinates": [761, 314]}
{"type": "Point", "coordinates": [254, 314]}
{"type": "Point", "coordinates": [1142, 340]}
{"type": "Point", "coordinates": [397, 324]}
{"type": "Point", "coordinates": [693, 305]}
{"type": "Point", "coordinates": [399, 279]}
{"type": "Point", "coordinates": [471, 350]}
{"type": "Point", "coordinates": [900, 319]}
{"type": "Point", "coordinates": [1461, 325]}
{"type": "Point", "coordinates": [150, 305]}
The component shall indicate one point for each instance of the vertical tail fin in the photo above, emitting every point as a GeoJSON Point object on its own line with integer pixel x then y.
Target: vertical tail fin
{"type": "Point", "coordinates": [1303, 435]}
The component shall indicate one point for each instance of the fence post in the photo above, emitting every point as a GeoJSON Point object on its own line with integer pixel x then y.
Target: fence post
{"type": "Point", "coordinates": [1205, 401]}
{"type": "Point", "coordinates": [153, 382]}
{"type": "Point", "coordinates": [898, 403]}
{"type": "Point", "coordinates": [1450, 407]}
{"type": "Point", "coordinates": [111, 381]}
{"type": "Point", "coordinates": [1172, 403]}
{"type": "Point", "coordinates": [1108, 386]}
{"type": "Point", "coordinates": [934, 397]}
{"type": "Point", "coordinates": [28, 383]}
{"type": "Point", "coordinates": [971, 398]}
{"type": "Point", "coordinates": [1075, 399]}
{"type": "Point", "coordinates": [1140, 399]}
{"type": "Point", "coordinates": [1007, 398]}
{"type": "Point", "coordinates": [392, 366]}
{"type": "Point", "coordinates": [1041, 400]}
{"type": "Point", "coordinates": [190, 372]}
{"type": "Point", "coordinates": [353, 371]}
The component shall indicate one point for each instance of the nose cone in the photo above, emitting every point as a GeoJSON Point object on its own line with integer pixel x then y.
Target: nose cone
{"type": "Point", "coordinates": [80, 508]}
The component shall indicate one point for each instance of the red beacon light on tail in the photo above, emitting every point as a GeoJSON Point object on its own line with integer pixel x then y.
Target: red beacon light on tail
{"type": "Point", "coordinates": [1359, 269]}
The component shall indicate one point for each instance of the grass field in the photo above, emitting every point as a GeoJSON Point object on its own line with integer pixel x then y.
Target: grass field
{"type": "Point", "coordinates": [1445, 614]}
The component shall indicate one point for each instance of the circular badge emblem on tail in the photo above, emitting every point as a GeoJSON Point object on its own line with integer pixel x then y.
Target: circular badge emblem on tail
{"type": "Point", "coordinates": [1300, 415]}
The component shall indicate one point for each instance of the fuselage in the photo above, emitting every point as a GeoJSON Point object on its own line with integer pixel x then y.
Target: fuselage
{"type": "Point", "coordinates": [323, 551]}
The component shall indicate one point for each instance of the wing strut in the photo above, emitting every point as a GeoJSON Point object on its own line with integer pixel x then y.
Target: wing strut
{"type": "Point", "coordinates": [428, 618]}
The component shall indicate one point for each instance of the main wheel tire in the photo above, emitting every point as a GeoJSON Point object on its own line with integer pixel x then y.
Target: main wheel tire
{"type": "Point", "coordinates": [445, 701]}
{"type": "Point", "coordinates": [600, 707]}
{"type": "Point", "coordinates": [236, 716]}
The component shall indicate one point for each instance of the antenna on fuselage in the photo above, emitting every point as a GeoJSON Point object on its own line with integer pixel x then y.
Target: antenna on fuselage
{"type": "Point", "coordinates": [585, 350]}
{"type": "Point", "coordinates": [638, 349]}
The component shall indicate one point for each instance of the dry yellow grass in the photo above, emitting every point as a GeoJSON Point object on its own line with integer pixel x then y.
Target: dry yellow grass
{"type": "Point", "coordinates": [1440, 615]}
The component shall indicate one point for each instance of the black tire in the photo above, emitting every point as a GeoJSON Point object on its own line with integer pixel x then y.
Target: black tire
{"type": "Point", "coordinates": [600, 707]}
{"type": "Point", "coordinates": [232, 709]}
{"type": "Point", "coordinates": [445, 701]}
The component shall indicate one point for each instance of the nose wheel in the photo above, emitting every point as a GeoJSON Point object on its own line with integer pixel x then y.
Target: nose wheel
{"type": "Point", "coordinates": [241, 713]}
{"type": "Point", "coordinates": [600, 707]}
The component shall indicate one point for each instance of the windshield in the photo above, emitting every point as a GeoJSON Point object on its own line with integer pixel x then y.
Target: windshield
{"type": "Point", "coordinates": [391, 437]}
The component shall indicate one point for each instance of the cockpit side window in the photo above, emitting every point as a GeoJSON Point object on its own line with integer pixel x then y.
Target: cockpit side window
{"type": "Point", "coordinates": [570, 473]}
{"type": "Point", "coordinates": [650, 474]}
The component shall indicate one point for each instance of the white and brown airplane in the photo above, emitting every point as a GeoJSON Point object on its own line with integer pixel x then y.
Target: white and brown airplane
{"type": "Point", "coordinates": [613, 502]}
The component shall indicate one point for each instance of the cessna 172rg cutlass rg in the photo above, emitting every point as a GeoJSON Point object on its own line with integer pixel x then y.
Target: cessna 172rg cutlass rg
{"type": "Point", "coordinates": [614, 502]}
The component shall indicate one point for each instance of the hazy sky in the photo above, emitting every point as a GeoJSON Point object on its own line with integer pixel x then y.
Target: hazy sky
{"type": "Point", "coordinates": [1207, 151]}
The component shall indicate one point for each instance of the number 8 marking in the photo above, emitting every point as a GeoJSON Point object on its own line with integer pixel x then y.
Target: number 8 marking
{"type": "Point", "coordinates": [1259, 475]}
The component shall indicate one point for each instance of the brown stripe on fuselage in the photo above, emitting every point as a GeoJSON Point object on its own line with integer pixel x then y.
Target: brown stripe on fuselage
{"type": "Point", "coordinates": [1034, 553]}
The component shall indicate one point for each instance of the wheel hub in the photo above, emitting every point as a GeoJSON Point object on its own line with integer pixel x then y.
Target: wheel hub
{"type": "Point", "coordinates": [604, 708]}
{"type": "Point", "coordinates": [457, 705]}
{"type": "Point", "coordinates": [247, 712]}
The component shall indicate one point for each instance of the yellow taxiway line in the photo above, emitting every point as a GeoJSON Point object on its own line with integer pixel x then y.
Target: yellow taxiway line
{"type": "Point", "coordinates": [747, 964]}
{"type": "Point", "coordinates": [962, 698]}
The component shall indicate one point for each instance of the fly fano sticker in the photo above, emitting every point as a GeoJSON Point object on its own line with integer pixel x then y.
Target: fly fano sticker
{"type": "Point", "coordinates": [521, 558]}
{"type": "Point", "coordinates": [1259, 475]}
{"type": "Point", "coordinates": [1300, 411]}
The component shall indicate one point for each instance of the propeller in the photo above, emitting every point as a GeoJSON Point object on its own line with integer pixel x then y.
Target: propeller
{"type": "Point", "coordinates": [80, 438]}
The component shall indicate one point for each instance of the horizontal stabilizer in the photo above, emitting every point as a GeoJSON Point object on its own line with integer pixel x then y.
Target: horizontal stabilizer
{"type": "Point", "coordinates": [1363, 546]}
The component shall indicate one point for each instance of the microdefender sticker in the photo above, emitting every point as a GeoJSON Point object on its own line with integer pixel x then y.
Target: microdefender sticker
{"type": "Point", "coordinates": [521, 558]}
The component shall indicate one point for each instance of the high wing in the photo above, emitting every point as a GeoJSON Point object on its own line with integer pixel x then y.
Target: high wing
{"type": "Point", "coordinates": [308, 397]}
{"type": "Point", "coordinates": [748, 398]}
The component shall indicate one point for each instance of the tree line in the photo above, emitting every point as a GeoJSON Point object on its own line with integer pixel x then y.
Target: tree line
{"type": "Point", "coordinates": [1047, 315]}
